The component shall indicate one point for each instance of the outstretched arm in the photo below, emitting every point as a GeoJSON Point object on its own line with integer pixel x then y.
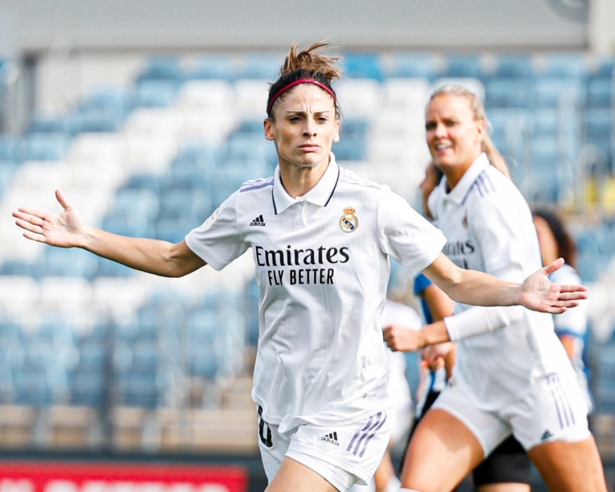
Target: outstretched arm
{"type": "Point", "coordinates": [537, 292]}
{"type": "Point", "coordinates": [67, 230]}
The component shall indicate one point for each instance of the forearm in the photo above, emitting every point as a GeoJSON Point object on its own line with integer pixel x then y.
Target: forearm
{"type": "Point", "coordinates": [147, 255]}
{"type": "Point", "coordinates": [434, 333]}
{"type": "Point", "coordinates": [471, 286]}
{"type": "Point", "coordinates": [481, 289]}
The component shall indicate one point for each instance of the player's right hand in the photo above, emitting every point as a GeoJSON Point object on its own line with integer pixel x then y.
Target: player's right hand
{"type": "Point", "coordinates": [64, 230]}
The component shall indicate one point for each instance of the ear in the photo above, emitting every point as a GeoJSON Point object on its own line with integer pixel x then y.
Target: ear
{"type": "Point", "coordinates": [481, 126]}
{"type": "Point", "coordinates": [338, 128]}
{"type": "Point", "coordinates": [268, 125]}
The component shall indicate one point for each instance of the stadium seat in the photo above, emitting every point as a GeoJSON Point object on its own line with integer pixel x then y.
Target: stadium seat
{"type": "Point", "coordinates": [155, 94]}
{"type": "Point", "coordinates": [162, 68]}
{"type": "Point", "coordinates": [553, 92]}
{"type": "Point", "coordinates": [572, 65]}
{"type": "Point", "coordinates": [362, 66]}
{"type": "Point", "coordinates": [44, 146]}
{"type": "Point", "coordinates": [217, 66]}
{"type": "Point", "coordinates": [507, 93]}
{"type": "Point", "coordinates": [600, 92]}
{"type": "Point", "coordinates": [412, 64]}
{"type": "Point", "coordinates": [463, 66]}
{"type": "Point", "coordinates": [69, 263]}
{"type": "Point", "coordinates": [259, 66]}
{"type": "Point", "coordinates": [513, 66]}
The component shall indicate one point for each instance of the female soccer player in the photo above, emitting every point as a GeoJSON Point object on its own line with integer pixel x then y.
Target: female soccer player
{"type": "Point", "coordinates": [556, 241]}
{"type": "Point", "coordinates": [321, 237]}
{"type": "Point", "coordinates": [512, 375]}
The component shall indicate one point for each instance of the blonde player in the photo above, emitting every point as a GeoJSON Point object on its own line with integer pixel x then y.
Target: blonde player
{"type": "Point", "coordinates": [321, 247]}
{"type": "Point", "coordinates": [512, 375]}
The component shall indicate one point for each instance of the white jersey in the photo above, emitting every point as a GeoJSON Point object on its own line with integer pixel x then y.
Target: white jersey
{"type": "Point", "coordinates": [322, 267]}
{"type": "Point", "coordinates": [489, 227]}
{"type": "Point", "coordinates": [574, 323]}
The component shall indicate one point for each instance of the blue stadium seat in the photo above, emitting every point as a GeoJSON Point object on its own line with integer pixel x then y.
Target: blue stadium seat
{"type": "Point", "coordinates": [72, 262]}
{"type": "Point", "coordinates": [9, 147]}
{"type": "Point", "coordinates": [546, 122]}
{"type": "Point", "coordinates": [155, 94]}
{"type": "Point", "coordinates": [264, 65]}
{"type": "Point", "coordinates": [165, 68]}
{"type": "Point", "coordinates": [175, 230]}
{"type": "Point", "coordinates": [19, 267]}
{"type": "Point", "coordinates": [194, 205]}
{"type": "Point", "coordinates": [136, 201]}
{"type": "Point", "coordinates": [507, 93]}
{"type": "Point", "coordinates": [599, 125]}
{"type": "Point", "coordinates": [44, 146]}
{"type": "Point", "coordinates": [362, 66]}
{"type": "Point", "coordinates": [108, 268]}
{"type": "Point", "coordinates": [7, 170]}
{"type": "Point", "coordinates": [571, 65]}
{"type": "Point", "coordinates": [513, 66]}
{"type": "Point", "coordinates": [101, 119]}
{"type": "Point", "coordinates": [463, 66]}
{"type": "Point", "coordinates": [132, 223]}
{"type": "Point", "coordinates": [413, 64]}
{"type": "Point", "coordinates": [144, 181]}
{"type": "Point", "coordinates": [551, 92]}
{"type": "Point", "coordinates": [213, 66]}
{"type": "Point", "coordinates": [600, 92]}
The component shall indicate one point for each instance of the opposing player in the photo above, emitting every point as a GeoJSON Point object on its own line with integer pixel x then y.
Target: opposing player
{"type": "Point", "coordinates": [512, 375]}
{"type": "Point", "coordinates": [322, 253]}
{"type": "Point", "coordinates": [556, 241]}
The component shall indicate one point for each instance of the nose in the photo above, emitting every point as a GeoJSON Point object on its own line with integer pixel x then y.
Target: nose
{"type": "Point", "coordinates": [309, 130]}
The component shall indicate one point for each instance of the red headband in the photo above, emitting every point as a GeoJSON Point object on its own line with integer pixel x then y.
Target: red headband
{"type": "Point", "coordinates": [297, 82]}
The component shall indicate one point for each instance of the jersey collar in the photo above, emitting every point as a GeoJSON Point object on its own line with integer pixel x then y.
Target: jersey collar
{"type": "Point", "coordinates": [319, 195]}
{"type": "Point", "coordinates": [460, 191]}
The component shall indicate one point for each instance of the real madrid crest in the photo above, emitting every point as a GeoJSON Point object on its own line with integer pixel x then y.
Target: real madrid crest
{"type": "Point", "coordinates": [349, 221]}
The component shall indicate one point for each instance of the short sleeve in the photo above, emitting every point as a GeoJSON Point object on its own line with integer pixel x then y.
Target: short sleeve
{"type": "Point", "coordinates": [421, 282]}
{"type": "Point", "coordinates": [500, 233]}
{"type": "Point", "coordinates": [406, 235]}
{"type": "Point", "coordinates": [217, 240]}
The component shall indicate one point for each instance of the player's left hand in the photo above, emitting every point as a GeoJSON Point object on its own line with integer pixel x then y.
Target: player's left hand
{"type": "Point", "coordinates": [540, 294]}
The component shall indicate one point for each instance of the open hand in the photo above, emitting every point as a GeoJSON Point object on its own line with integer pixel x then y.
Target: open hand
{"type": "Point", "coordinates": [540, 294]}
{"type": "Point", "coordinates": [64, 230]}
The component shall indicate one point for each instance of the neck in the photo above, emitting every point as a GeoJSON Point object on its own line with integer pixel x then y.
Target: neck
{"type": "Point", "coordinates": [455, 173]}
{"type": "Point", "coordinates": [297, 181]}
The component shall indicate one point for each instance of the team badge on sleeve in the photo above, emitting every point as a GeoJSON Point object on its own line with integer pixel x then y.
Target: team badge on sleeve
{"type": "Point", "coordinates": [349, 221]}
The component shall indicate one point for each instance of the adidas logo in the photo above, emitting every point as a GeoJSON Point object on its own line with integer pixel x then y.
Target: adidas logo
{"type": "Point", "coordinates": [259, 221]}
{"type": "Point", "coordinates": [546, 435]}
{"type": "Point", "coordinates": [332, 438]}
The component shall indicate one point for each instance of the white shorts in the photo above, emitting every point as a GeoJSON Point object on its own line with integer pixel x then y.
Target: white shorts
{"type": "Point", "coordinates": [342, 455]}
{"type": "Point", "coordinates": [553, 410]}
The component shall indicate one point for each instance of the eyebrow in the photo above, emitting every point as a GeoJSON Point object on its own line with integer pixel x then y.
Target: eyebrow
{"type": "Point", "coordinates": [298, 111]}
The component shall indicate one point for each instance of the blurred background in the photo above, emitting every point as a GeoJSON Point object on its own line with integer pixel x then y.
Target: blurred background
{"type": "Point", "coordinates": [148, 114]}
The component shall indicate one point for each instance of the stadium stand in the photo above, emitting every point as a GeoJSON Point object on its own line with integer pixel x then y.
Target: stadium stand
{"type": "Point", "coordinates": [92, 345]}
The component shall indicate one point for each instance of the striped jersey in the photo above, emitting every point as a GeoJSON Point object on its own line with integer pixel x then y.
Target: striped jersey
{"type": "Point", "coordinates": [489, 227]}
{"type": "Point", "coordinates": [322, 267]}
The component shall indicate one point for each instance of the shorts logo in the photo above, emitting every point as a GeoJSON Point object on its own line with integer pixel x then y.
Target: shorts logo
{"type": "Point", "coordinates": [349, 221]}
{"type": "Point", "coordinates": [332, 438]}
{"type": "Point", "coordinates": [546, 435]}
{"type": "Point", "coordinates": [258, 221]}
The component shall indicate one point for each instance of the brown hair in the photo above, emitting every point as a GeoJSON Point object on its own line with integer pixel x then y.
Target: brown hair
{"type": "Point", "coordinates": [309, 63]}
{"type": "Point", "coordinates": [566, 246]}
{"type": "Point", "coordinates": [495, 158]}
